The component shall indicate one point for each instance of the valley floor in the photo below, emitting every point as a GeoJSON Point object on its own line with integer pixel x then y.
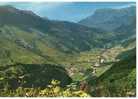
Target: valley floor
{"type": "Point", "coordinates": [84, 69]}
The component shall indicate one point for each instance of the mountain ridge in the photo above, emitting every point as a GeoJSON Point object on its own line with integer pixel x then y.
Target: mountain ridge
{"type": "Point", "coordinates": [109, 19]}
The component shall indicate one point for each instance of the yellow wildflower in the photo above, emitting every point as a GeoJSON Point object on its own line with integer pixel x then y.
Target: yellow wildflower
{"type": "Point", "coordinates": [56, 89]}
{"type": "Point", "coordinates": [55, 82]}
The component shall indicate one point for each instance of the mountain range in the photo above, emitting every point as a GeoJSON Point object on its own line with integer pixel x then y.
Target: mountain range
{"type": "Point", "coordinates": [61, 36]}
{"type": "Point", "coordinates": [110, 19]}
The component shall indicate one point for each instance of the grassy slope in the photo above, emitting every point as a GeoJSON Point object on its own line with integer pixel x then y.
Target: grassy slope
{"type": "Point", "coordinates": [25, 47]}
{"type": "Point", "coordinates": [120, 79]}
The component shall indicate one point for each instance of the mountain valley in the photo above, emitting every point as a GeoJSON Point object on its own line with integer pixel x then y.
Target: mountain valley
{"type": "Point", "coordinates": [100, 50]}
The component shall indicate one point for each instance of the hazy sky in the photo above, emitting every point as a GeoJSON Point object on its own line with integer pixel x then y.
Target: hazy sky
{"type": "Point", "coordinates": [66, 11]}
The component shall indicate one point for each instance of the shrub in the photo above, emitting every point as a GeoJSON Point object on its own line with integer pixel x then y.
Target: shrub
{"type": "Point", "coordinates": [52, 90]}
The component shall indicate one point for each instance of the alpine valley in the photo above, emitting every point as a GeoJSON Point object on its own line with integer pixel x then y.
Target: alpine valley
{"type": "Point", "coordinates": [94, 57]}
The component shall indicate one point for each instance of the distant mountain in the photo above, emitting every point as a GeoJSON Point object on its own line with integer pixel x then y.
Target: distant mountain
{"type": "Point", "coordinates": [110, 19]}
{"type": "Point", "coordinates": [126, 30]}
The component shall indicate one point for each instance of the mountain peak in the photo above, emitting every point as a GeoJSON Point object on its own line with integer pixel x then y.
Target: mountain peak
{"type": "Point", "coordinates": [109, 18]}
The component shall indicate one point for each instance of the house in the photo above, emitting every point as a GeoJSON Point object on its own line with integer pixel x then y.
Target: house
{"type": "Point", "coordinates": [96, 64]}
{"type": "Point", "coordinates": [101, 59]}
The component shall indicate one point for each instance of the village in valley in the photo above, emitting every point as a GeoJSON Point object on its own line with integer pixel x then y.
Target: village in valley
{"type": "Point", "coordinates": [97, 62]}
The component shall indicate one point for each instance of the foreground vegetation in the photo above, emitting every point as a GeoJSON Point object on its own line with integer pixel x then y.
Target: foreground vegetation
{"type": "Point", "coordinates": [117, 80]}
{"type": "Point", "coordinates": [52, 90]}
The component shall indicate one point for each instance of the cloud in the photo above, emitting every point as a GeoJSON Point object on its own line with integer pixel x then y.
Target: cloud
{"type": "Point", "coordinates": [125, 6]}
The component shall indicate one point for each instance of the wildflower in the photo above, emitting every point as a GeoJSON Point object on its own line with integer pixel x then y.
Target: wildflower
{"type": "Point", "coordinates": [81, 94]}
{"type": "Point", "coordinates": [56, 89]}
{"type": "Point", "coordinates": [49, 86]}
{"type": "Point", "coordinates": [67, 93]}
{"type": "Point", "coordinates": [44, 92]}
{"type": "Point", "coordinates": [55, 82]}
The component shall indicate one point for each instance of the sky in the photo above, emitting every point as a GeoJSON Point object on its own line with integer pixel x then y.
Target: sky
{"type": "Point", "coordinates": [66, 11]}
